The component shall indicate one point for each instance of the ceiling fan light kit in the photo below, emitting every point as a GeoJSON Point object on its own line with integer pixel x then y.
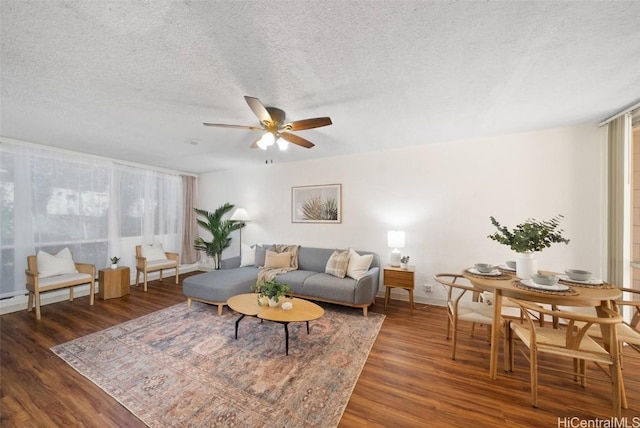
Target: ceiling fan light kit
{"type": "Point", "coordinates": [272, 120]}
{"type": "Point", "coordinates": [266, 140]}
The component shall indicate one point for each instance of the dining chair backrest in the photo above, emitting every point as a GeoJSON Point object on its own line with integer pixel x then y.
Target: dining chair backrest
{"type": "Point", "coordinates": [459, 308]}
{"type": "Point", "coordinates": [572, 341]}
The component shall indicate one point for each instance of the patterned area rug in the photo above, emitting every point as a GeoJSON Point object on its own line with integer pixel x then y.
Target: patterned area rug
{"type": "Point", "coordinates": [182, 367]}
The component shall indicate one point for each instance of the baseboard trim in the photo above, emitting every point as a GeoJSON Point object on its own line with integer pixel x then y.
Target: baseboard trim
{"type": "Point", "coordinates": [19, 303]}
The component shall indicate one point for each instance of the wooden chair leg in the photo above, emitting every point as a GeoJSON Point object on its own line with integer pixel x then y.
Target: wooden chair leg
{"type": "Point", "coordinates": [137, 277]}
{"type": "Point", "coordinates": [37, 302]}
{"type": "Point", "coordinates": [144, 275]}
{"type": "Point", "coordinates": [177, 273]}
{"type": "Point", "coordinates": [454, 339]}
{"type": "Point", "coordinates": [511, 350]}
{"type": "Point", "coordinates": [30, 302]}
{"type": "Point", "coordinates": [92, 290]}
{"type": "Point", "coordinates": [533, 357]}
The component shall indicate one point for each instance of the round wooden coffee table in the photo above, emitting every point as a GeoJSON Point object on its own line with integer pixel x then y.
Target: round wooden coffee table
{"type": "Point", "coordinates": [302, 311]}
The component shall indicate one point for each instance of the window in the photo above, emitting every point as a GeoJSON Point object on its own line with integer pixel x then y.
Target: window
{"type": "Point", "coordinates": [93, 206]}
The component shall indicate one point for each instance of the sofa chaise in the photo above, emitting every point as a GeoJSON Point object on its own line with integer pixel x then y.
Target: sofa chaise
{"type": "Point", "coordinates": [309, 281]}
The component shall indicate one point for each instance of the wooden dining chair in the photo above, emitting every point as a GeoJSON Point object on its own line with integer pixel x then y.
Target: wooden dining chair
{"type": "Point", "coordinates": [570, 341]}
{"type": "Point", "coordinates": [471, 309]}
{"type": "Point", "coordinates": [628, 332]}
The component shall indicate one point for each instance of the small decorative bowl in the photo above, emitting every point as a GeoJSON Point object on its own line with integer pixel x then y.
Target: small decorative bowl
{"type": "Point", "coordinates": [484, 267]}
{"type": "Point", "coordinates": [544, 279]}
{"type": "Point", "coordinates": [287, 306]}
{"type": "Point", "coordinates": [511, 264]}
{"type": "Point", "coordinates": [578, 275]}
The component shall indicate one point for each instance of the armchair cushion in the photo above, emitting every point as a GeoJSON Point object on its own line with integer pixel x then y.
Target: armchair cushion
{"type": "Point", "coordinates": [154, 265]}
{"type": "Point", "coordinates": [71, 278]}
{"type": "Point", "coordinates": [153, 252]}
{"type": "Point", "coordinates": [58, 264]}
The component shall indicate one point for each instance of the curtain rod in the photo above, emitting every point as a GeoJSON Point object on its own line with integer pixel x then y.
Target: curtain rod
{"type": "Point", "coordinates": [617, 115]}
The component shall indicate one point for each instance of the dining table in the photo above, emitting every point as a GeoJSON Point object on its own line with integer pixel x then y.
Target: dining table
{"type": "Point", "coordinates": [506, 284]}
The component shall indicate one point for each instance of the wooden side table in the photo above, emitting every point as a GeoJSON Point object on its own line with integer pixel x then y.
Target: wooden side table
{"type": "Point", "coordinates": [114, 282]}
{"type": "Point", "coordinates": [396, 277]}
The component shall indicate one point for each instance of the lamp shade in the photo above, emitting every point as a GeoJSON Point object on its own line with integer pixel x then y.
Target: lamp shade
{"type": "Point", "coordinates": [395, 239]}
{"type": "Point", "coordinates": [240, 214]}
{"type": "Point", "coordinates": [267, 139]}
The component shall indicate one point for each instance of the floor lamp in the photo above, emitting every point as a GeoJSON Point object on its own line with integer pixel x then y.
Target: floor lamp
{"type": "Point", "coordinates": [241, 215]}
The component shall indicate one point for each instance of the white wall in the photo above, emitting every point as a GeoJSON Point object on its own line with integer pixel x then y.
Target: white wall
{"type": "Point", "coordinates": [441, 195]}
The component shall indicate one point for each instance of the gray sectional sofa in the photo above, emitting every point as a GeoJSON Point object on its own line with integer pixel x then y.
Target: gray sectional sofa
{"type": "Point", "coordinates": [309, 281]}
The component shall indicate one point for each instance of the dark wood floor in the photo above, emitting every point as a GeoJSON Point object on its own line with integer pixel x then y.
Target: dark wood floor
{"type": "Point", "coordinates": [409, 379]}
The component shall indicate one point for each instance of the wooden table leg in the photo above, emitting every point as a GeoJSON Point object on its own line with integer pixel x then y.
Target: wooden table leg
{"type": "Point", "coordinates": [386, 297]}
{"type": "Point", "coordinates": [411, 301]}
{"type": "Point", "coordinates": [495, 333]}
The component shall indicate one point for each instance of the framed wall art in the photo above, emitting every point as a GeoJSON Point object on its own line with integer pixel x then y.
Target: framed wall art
{"type": "Point", "coordinates": [316, 204]}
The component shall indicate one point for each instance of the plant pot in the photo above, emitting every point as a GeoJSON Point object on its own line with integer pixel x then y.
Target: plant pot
{"type": "Point", "coordinates": [404, 266]}
{"type": "Point", "coordinates": [114, 265]}
{"type": "Point", "coordinates": [263, 301]}
{"type": "Point", "coordinates": [526, 265]}
{"type": "Point", "coordinates": [273, 303]}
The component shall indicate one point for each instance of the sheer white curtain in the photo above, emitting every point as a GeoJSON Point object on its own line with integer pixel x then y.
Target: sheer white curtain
{"type": "Point", "coordinates": [50, 201]}
{"type": "Point", "coordinates": [99, 209]}
{"type": "Point", "coordinates": [147, 207]}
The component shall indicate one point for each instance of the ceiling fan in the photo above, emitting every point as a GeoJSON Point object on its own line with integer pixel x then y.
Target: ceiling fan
{"type": "Point", "coordinates": [272, 121]}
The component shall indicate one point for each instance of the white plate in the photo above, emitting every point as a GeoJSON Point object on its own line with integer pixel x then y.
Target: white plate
{"type": "Point", "coordinates": [505, 267]}
{"type": "Point", "coordinates": [494, 272]}
{"type": "Point", "coordinates": [555, 287]}
{"type": "Point", "coordinates": [590, 281]}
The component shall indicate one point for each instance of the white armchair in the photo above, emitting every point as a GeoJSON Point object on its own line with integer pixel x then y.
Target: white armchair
{"type": "Point", "coordinates": [37, 284]}
{"type": "Point", "coordinates": [153, 258]}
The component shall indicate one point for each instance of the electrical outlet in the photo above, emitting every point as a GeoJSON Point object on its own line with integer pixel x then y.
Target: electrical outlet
{"type": "Point", "coordinates": [427, 288]}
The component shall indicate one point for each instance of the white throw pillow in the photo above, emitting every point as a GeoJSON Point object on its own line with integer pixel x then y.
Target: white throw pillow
{"type": "Point", "coordinates": [59, 264]}
{"type": "Point", "coordinates": [248, 256]}
{"type": "Point", "coordinates": [153, 252]}
{"type": "Point", "coordinates": [358, 265]}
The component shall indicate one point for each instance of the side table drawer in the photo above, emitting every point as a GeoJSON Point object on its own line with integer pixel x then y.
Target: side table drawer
{"type": "Point", "coordinates": [398, 278]}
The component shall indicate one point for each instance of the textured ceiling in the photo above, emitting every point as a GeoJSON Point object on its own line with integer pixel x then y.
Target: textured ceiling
{"type": "Point", "coordinates": [134, 80]}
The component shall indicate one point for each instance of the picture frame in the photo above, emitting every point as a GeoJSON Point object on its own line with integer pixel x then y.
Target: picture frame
{"type": "Point", "coordinates": [316, 204]}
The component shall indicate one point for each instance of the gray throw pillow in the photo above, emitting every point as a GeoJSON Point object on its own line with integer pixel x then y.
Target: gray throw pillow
{"type": "Point", "coordinates": [261, 252]}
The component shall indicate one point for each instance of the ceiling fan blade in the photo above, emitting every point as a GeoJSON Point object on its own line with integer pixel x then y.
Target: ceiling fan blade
{"type": "Point", "coordinates": [300, 125]}
{"type": "Point", "coordinates": [259, 110]}
{"type": "Point", "coordinates": [296, 140]}
{"type": "Point", "coordinates": [222, 125]}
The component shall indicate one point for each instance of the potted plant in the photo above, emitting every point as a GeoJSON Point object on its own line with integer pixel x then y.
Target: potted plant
{"type": "Point", "coordinates": [404, 262]}
{"type": "Point", "coordinates": [527, 238]}
{"type": "Point", "coordinates": [219, 230]}
{"type": "Point", "coordinates": [273, 290]}
{"type": "Point", "coordinates": [114, 262]}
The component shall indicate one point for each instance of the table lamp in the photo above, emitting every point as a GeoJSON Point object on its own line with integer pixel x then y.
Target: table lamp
{"type": "Point", "coordinates": [241, 215]}
{"type": "Point", "coordinates": [395, 240]}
